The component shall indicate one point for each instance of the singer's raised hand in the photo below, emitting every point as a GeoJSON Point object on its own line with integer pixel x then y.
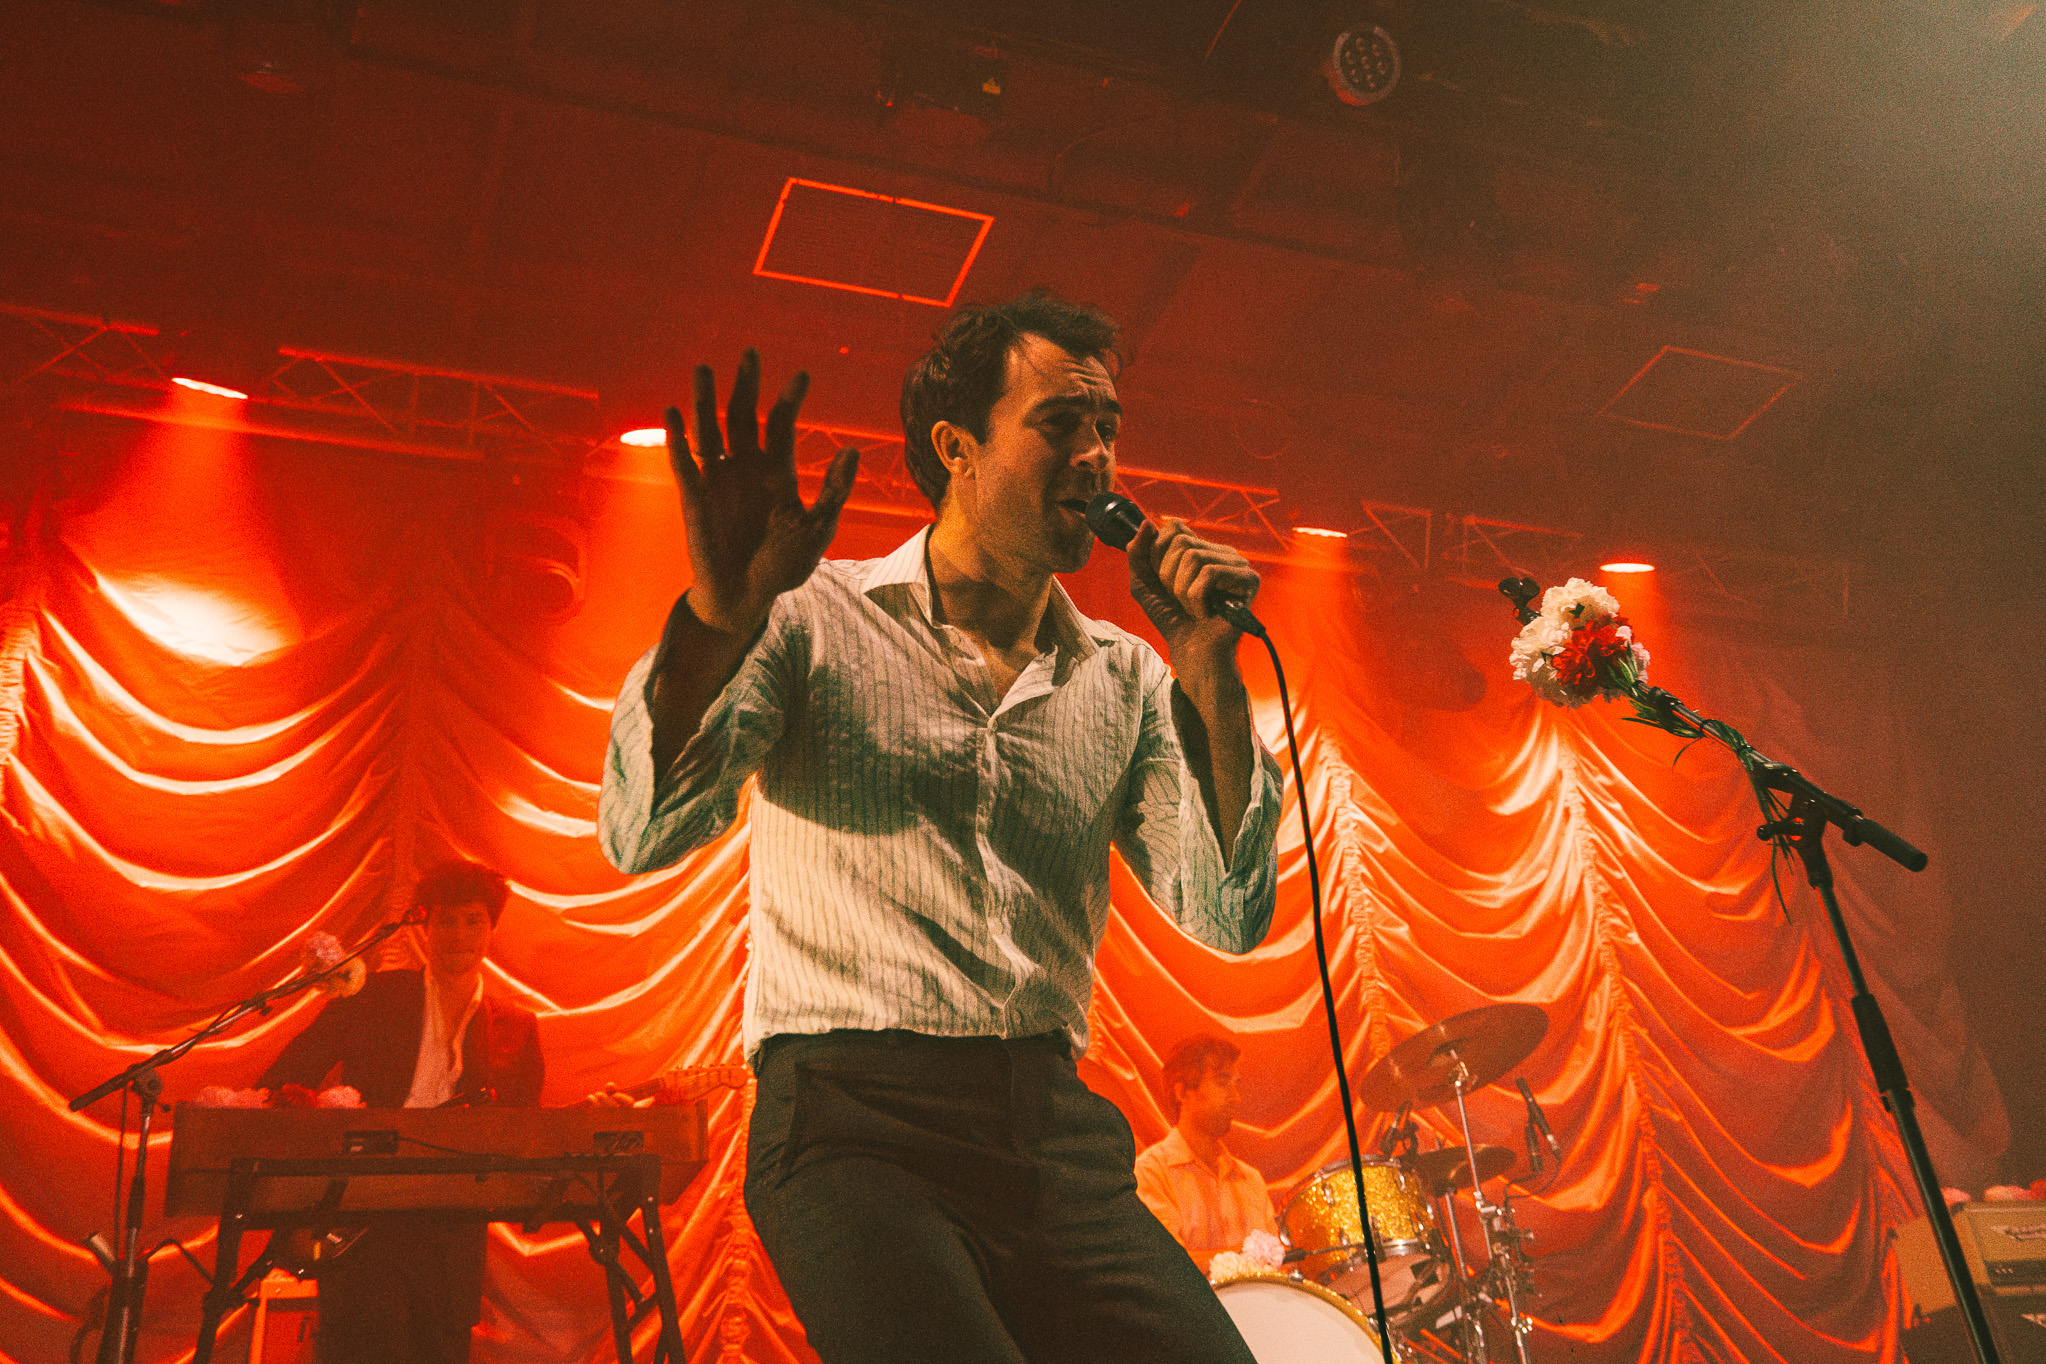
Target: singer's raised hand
{"type": "Point", "coordinates": [1175, 575]}
{"type": "Point", "coordinates": [750, 536]}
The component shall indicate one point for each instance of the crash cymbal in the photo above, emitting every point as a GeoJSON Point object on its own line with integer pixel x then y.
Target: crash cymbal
{"type": "Point", "coordinates": [1450, 1168]}
{"type": "Point", "coordinates": [1422, 1070]}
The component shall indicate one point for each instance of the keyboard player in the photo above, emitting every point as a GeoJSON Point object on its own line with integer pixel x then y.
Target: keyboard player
{"type": "Point", "coordinates": [418, 1039]}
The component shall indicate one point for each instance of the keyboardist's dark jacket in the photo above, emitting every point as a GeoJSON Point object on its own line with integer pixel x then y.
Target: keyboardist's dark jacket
{"type": "Point", "coordinates": [373, 1037]}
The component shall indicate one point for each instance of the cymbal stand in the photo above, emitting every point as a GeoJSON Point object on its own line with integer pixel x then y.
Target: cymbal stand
{"type": "Point", "coordinates": [1509, 1270]}
{"type": "Point", "coordinates": [1473, 1328]}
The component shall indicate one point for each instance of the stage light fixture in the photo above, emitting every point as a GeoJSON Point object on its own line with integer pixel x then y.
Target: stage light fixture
{"type": "Point", "coordinates": [1321, 533]}
{"type": "Point", "coordinates": [1627, 566]}
{"type": "Point", "coordinates": [217, 360]}
{"type": "Point", "coordinates": [1363, 66]}
{"type": "Point", "coordinates": [201, 386]}
{"type": "Point", "coordinates": [632, 403]}
{"type": "Point", "coordinates": [535, 557]}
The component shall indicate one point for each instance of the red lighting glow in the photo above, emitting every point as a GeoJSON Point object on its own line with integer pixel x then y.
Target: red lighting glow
{"type": "Point", "coordinates": [1321, 533]}
{"type": "Point", "coordinates": [645, 436]}
{"type": "Point", "coordinates": [1626, 566]}
{"type": "Point", "coordinates": [201, 386]}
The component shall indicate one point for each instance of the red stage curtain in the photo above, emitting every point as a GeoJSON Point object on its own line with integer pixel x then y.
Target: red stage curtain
{"type": "Point", "coordinates": [248, 693]}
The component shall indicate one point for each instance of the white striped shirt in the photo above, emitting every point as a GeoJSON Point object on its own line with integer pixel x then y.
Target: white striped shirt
{"type": "Point", "coordinates": [923, 856]}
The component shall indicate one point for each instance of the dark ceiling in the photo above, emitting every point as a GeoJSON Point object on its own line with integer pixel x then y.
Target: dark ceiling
{"type": "Point", "coordinates": [1430, 300]}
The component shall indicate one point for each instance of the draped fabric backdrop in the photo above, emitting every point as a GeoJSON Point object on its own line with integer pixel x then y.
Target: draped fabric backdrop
{"type": "Point", "coordinates": [247, 691]}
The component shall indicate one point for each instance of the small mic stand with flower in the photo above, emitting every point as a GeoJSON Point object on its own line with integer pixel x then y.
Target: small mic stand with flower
{"type": "Point", "coordinates": [1576, 647]}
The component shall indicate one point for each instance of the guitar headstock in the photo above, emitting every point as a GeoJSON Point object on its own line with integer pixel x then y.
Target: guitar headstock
{"type": "Point", "coordinates": [687, 1084]}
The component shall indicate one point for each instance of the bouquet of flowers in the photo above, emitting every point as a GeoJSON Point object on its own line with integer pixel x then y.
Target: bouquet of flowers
{"type": "Point", "coordinates": [1262, 1253]}
{"type": "Point", "coordinates": [322, 953]}
{"type": "Point", "coordinates": [1579, 647]}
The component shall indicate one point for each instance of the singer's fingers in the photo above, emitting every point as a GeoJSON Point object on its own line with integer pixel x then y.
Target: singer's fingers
{"type": "Point", "coordinates": [838, 485]}
{"type": "Point", "coordinates": [710, 443]}
{"type": "Point", "coordinates": [781, 425]}
{"type": "Point", "coordinates": [687, 478]}
{"type": "Point", "coordinates": [742, 411]}
{"type": "Point", "coordinates": [1143, 551]}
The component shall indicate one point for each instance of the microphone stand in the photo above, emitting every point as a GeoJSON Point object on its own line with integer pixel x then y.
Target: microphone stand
{"type": "Point", "coordinates": [1803, 829]}
{"type": "Point", "coordinates": [129, 1269]}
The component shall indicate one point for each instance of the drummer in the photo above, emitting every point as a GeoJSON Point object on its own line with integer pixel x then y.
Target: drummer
{"type": "Point", "coordinates": [1207, 1198]}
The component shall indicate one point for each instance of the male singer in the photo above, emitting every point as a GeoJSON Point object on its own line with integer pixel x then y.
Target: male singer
{"type": "Point", "coordinates": [419, 1039]}
{"type": "Point", "coordinates": [946, 749]}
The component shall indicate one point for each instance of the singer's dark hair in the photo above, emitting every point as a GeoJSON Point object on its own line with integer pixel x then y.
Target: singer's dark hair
{"type": "Point", "coordinates": [963, 376]}
{"type": "Point", "coordinates": [1192, 1060]}
{"type": "Point", "coordinates": [461, 882]}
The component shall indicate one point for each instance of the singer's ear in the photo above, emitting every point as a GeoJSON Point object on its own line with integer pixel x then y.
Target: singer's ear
{"type": "Point", "coordinates": [956, 447]}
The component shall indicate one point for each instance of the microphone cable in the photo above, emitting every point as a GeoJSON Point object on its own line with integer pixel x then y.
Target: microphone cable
{"type": "Point", "coordinates": [1114, 520]}
{"type": "Point", "coordinates": [1328, 1001]}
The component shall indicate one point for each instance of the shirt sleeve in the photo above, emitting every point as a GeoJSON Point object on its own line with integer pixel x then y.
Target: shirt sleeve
{"type": "Point", "coordinates": [1267, 1219]}
{"type": "Point", "coordinates": [1155, 1189]}
{"type": "Point", "coordinates": [1169, 843]}
{"type": "Point", "coordinates": [310, 1057]}
{"type": "Point", "coordinates": [648, 820]}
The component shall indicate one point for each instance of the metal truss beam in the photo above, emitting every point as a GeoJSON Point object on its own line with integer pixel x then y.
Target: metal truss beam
{"type": "Point", "coordinates": [391, 407]}
{"type": "Point", "coordinates": [1479, 550]}
{"type": "Point", "coordinates": [36, 344]}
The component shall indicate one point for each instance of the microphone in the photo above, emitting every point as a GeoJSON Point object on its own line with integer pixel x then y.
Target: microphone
{"type": "Point", "coordinates": [1115, 520]}
{"type": "Point", "coordinates": [1519, 592]}
{"type": "Point", "coordinates": [1390, 1140]}
{"type": "Point", "coordinates": [1536, 1117]}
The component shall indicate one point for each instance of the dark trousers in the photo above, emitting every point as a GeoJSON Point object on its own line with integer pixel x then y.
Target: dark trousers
{"type": "Point", "coordinates": [403, 1295]}
{"type": "Point", "coordinates": [965, 1199]}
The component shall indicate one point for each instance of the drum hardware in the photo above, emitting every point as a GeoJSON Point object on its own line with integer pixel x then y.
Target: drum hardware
{"type": "Point", "coordinates": [1285, 1319]}
{"type": "Point", "coordinates": [1449, 1169]}
{"type": "Point", "coordinates": [1320, 1220]}
{"type": "Point", "coordinates": [1483, 1044]}
{"type": "Point", "coordinates": [1437, 1067]}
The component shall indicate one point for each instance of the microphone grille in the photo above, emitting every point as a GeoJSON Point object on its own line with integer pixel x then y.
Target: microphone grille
{"type": "Point", "coordinates": [1114, 519]}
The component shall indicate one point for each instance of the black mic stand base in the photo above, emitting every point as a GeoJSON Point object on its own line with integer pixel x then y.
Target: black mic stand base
{"type": "Point", "coordinates": [1805, 828]}
{"type": "Point", "coordinates": [130, 1273]}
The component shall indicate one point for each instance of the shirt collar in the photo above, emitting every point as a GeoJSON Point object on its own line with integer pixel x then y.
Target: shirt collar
{"type": "Point", "coordinates": [468, 1011]}
{"type": "Point", "coordinates": [1177, 1152]}
{"type": "Point", "coordinates": [906, 567]}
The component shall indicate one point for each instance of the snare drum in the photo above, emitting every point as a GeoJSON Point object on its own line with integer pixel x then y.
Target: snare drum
{"type": "Point", "coordinates": [1322, 1216]}
{"type": "Point", "coordinates": [1285, 1320]}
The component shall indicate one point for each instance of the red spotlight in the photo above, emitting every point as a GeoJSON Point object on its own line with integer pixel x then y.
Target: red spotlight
{"type": "Point", "coordinates": [1626, 566]}
{"type": "Point", "coordinates": [1321, 533]}
{"type": "Point", "coordinates": [645, 436]}
{"type": "Point", "coordinates": [201, 386]}
{"type": "Point", "coordinates": [212, 358]}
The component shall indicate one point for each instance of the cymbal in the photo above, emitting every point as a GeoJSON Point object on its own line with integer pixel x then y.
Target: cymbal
{"type": "Point", "coordinates": [1450, 1168]}
{"type": "Point", "coordinates": [1422, 1070]}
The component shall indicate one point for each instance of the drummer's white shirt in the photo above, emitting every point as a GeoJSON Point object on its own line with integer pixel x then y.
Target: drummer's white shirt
{"type": "Point", "coordinates": [1204, 1209]}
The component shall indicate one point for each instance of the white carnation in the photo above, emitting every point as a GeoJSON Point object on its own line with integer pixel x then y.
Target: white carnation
{"type": "Point", "coordinates": [322, 950]}
{"type": "Point", "coordinates": [1228, 1265]}
{"type": "Point", "coordinates": [1264, 1250]}
{"type": "Point", "coordinates": [1578, 602]}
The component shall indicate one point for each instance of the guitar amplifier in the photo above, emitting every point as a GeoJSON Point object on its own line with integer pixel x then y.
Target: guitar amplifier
{"type": "Point", "coordinates": [2005, 1245]}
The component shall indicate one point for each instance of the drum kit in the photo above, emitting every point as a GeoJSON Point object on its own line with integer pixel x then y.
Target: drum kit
{"type": "Point", "coordinates": [1441, 1303]}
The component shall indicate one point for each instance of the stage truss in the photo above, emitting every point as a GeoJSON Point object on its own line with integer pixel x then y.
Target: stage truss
{"type": "Point", "coordinates": [393, 408]}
